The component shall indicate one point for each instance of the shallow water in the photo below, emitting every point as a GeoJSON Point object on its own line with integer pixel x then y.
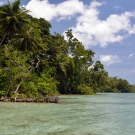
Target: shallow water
{"type": "Point", "coordinates": [100, 114]}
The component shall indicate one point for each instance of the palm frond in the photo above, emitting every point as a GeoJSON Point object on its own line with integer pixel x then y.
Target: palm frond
{"type": "Point", "coordinates": [15, 6]}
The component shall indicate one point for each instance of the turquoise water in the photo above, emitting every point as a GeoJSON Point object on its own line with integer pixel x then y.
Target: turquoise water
{"type": "Point", "coordinates": [100, 114]}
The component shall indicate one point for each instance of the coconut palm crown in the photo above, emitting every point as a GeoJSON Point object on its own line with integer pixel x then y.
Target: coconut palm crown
{"type": "Point", "coordinates": [13, 17]}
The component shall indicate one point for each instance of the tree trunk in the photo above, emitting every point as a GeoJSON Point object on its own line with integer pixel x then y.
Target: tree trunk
{"type": "Point", "coordinates": [3, 37]}
{"type": "Point", "coordinates": [9, 88]}
{"type": "Point", "coordinates": [17, 88]}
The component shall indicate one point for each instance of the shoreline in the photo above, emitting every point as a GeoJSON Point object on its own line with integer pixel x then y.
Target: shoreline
{"type": "Point", "coordinates": [53, 99]}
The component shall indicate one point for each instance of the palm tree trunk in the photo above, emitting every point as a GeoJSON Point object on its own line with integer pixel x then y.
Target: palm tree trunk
{"type": "Point", "coordinates": [3, 37]}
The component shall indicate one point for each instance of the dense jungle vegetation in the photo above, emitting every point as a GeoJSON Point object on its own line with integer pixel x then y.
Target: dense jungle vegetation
{"type": "Point", "coordinates": [34, 62]}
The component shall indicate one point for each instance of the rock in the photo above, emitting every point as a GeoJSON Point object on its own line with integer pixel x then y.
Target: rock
{"type": "Point", "coordinates": [20, 100]}
{"type": "Point", "coordinates": [41, 100]}
{"type": "Point", "coordinates": [2, 99]}
{"type": "Point", "coordinates": [6, 100]}
{"type": "Point", "coordinates": [30, 100]}
{"type": "Point", "coordinates": [53, 100]}
{"type": "Point", "coordinates": [12, 99]}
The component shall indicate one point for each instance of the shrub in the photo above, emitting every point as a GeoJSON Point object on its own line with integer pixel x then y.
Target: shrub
{"type": "Point", "coordinates": [84, 89]}
{"type": "Point", "coordinates": [115, 90]}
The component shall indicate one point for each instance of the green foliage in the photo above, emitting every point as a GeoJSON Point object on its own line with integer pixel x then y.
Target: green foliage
{"type": "Point", "coordinates": [132, 88]}
{"type": "Point", "coordinates": [42, 85]}
{"type": "Point", "coordinates": [115, 90]}
{"type": "Point", "coordinates": [3, 79]}
{"type": "Point", "coordinates": [2, 93]}
{"type": "Point", "coordinates": [122, 85]}
{"type": "Point", "coordinates": [12, 18]}
{"type": "Point", "coordinates": [82, 60]}
{"type": "Point", "coordinates": [117, 85]}
{"type": "Point", "coordinates": [29, 89]}
{"type": "Point", "coordinates": [3, 84]}
{"type": "Point", "coordinates": [47, 85]}
{"type": "Point", "coordinates": [85, 90]}
{"type": "Point", "coordinates": [35, 63]}
{"type": "Point", "coordinates": [15, 68]}
{"type": "Point", "coordinates": [27, 41]}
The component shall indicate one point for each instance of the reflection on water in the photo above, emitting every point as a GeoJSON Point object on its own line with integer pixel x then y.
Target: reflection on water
{"type": "Point", "coordinates": [101, 114]}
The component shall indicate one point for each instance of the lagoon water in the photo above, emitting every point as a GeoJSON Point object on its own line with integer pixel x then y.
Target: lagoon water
{"type": "Point", "coordinates": [100, 114]}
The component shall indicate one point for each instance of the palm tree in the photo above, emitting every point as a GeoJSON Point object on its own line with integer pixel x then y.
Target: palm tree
{"type": "Point", "coordinates": [27, 41]}
{"type": "Point", "coordinates": [60, 62]}
{"type": "Point", "coordinates": [12, 18]}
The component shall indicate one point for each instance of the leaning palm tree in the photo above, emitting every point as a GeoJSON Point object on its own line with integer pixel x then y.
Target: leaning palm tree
{"type": "Point", "coordinates": [12, 18]}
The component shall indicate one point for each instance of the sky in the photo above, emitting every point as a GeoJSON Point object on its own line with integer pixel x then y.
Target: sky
{"type": "Point", "coordinates": [105, 26]}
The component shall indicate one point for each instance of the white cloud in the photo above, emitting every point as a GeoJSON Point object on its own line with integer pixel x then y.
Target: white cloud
{"type": "Point", "coordinates": [63, 10]}
{"type": "Point", "coordinates": [89, 29]}
{"type": "Point", "coordinates": [1, 3]}
{"type": "Point", "coordinates": [131, 55]}
{"type": "Point", "coordinates": [109, 59]}
{"type": "Point", "coordinates": [92, 31]}
{"type": "Point", "coordinates": [118, 8]}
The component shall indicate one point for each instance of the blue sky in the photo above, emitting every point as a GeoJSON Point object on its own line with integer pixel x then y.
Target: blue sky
{"type": "Point", "coordinates": [105, 26]}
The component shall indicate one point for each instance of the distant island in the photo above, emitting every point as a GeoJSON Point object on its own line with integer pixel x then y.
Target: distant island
{"type": "Point", "coordinates": [35, 63]}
